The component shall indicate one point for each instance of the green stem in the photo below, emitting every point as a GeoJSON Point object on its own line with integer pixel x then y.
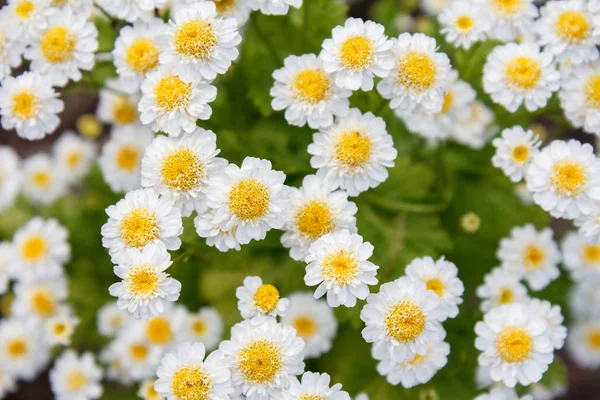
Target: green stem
{"type": "Point", "coordinates": [263, 37]}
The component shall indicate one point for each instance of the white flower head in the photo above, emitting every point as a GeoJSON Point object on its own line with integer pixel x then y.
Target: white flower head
{"type": "Point", "coordinates": [147, 391]}
{"type": "Point", "coordinates": [584, 299]}
{"type": "Point", "coordinates": [223, 240]}
{"type": "Point", "coordinates": [11, 47]}
{"type": "Point", "coordinates": [10, 177]}
{"type": "Point", "coordinates": [514, 151]}
{"type": "Point", "coordinates": [273, 7]}
{"type": "Point", "coordinates": [23, 350]}
{"type": "Point", "coordinates": [76, 377]}
{"type": "Point", "coordinates": [464, 23]}
{"type": "Point", "coordinates": [315, 386]}
{"type": "Point", "coordinates": [583, 343]}
{"type": "Point", "coordinates": [509, 19]}
{"type": "Point", "coordinates": [475, 128]}
{"type": "Point", "coordinates": [553, 316]}
{"type": "Point", "coordinates": [132, 356]}
{"type": "Point", "coordinates": [258, 299]}
{"type": "Point", "coordinates": [500, 287]}
{"type": "Point", "coordinates": [110, 319]}
{"type": "Point", "coordinates": [60, 327]}
{"type": "Point", "coordinates": [73, 156]}
{"type": "Point", "coordinates": [39, 298]}
{"type": "Point", "coordinates": [580, 96]}
{"type": "Point", "coordinates": [204, 326]}
{"type": "Point", "coordinates": [581, 259]}
{"type": "Point", "coordinates": [43, 180]}
{"type": "Point", "coordinates": [23, 16]}
{"type": "Point", "coordinates": [161, 330]}
{"type": "Point", "coordinates": [117, 108]}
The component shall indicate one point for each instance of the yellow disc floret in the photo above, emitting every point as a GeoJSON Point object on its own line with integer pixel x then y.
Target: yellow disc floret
{"type": "Point", "coordinates": [514, 344]}
{"type": "Point", "coordinates": [25, 8]}
{"type": "Point", "coordinates": [142, 55]}
{"type": "Point", "coordinates": [417, 71]}
{"type": "Point", "coordinates": [405, 321]}
{"type": "Point", "coordinates": [357, 53]}
{"type": "Point", "coordinates": [436, 285]}
{"type": "Point", "coordinates": [224, 5]}
{"type": "Point", "coordinates": [266, 297]}
{"type": "Point", "coordinates": [508, 7]}
{"type": "Point", "coordinates": [143, 282]}
{"type": "Point", "coordinates": [127, 158]}
{"type": "Point", "coordinates": [260, 361]}
{"type": "Point", "coordinates": [182, 170]}
{"type": "Point", "coordinates": [534, 256]}
{"type": "Point", "coordinates": [520, 154]}
{"type": "Point", "coordinates": [523, 72]}
{"type": "Point", "coordinates": [572, 27]}
{"type": "Point", "coordinates": [305, 326]}
{"type": "Point", "coordinates": [123, 111]}
{"type": "Point", "coordinates": [16, 348]}
{"type": "Point", "coordinates": [58, 44]}
{"type": "Point", "coordinates": [506, 296]}
{"type": "Point", "coordinates": [464, 23]}
{"type": "Point", "coordinates": [191, 382]}
{"type": "Point", "coordinates": [591, 254]}
{"type": "Point", "coordinates": [593, 339]}
{"type": "Point", "coordinates": [76, 381]}
{"type": "Point", "coordinates": [139, 352]}
{"type": "Point", "coordinates": [199, 327]}
{"type": "Point", "coordinates": [159, 331]}
{"type": "Point", "coordinates": [172, 93]}
{"type": "Point", "coordinates": [195, 39]}
{"type": "Point", "coordinates": [312, 86]}
{"type": "Point", "coordinates": [25, 104]}
{"type": "Point", "coordinates": [139, 228]}
{"type": "Point", "coordinates": [592, 92]}
{"type": "Point", "coordinates": [353, 149]}
{"type": "Point", "coordinates": [340, 267]}
{"type": "Point", "coordinates": [568, 178]}
{"type": "Point", "coordinates": [34, 248]}
{"type": "Point", "coordinates": [315, 219]}
{"type": "Point", "coordinates": [42, 302]}
{"type": "Point", "coordinates": [249, 200]}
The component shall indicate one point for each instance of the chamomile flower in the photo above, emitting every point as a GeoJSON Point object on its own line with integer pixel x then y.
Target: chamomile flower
{"type": "Point", "coordinates": [258, 299]}
{"type": "Point", "coordinates": [553, 316]}
{"type": "Point", "coordinates": [115, 108]}
{"type": "Point", "coordinates": [223, 240]}
{"type": "Point", "coordinates": [501, 392]}
{"type": "Point", "coordinates": [39, 298]}
{"type": "Point", "coordinates": [307, 92]}
{"type": "Point", "coordinates": [23, 16]}
{"type": "Point", "coordinates": [60, 327]}
{"type": "Point", "coordinates": [40, 249]}
{"type": "Point", "coordinates": [580, 258]}
{"type": "Point", "coordinates": [180, 168]}
{"type": "Point", "coordinates": [29, 105]}
{"type": "Point", "coordinates": [63, 47]}
{"type": "Point", "coordinates": [136, 53]}
{"type": "Point", "coordinates": [76, 377]}
{"type": "Point", "coordinates": [204, 326]}
{"type": "Point", "coordinates": [509, 18]}
{"type": "Point", "coordinates": [514, 151]}
{"type": "Point", "coordinates": [464, 23]}
{"type": "Point", "coordinates": [73, 156]}
{"type": "Point", "coordinates": [263, 357]}
{"type": "Point", "coordinates": [441, 277]}
{"type": "Point", "coordinates": [147, 391]}
{"type": "Point", "coordinates": [315, 210]}
{"type": "Point", "coordinates": [11, 47]}
{"type": "Point", "coordinates": [135, 357]}
{"type": "Point", "coordinates": [110, 319]}
{"type": "Point", "coordinates": [567, 30]}
{"type": "Point", "coordinates": [198, 43]}
{"type": "Point", "coordinates": [514, 74]}
{"type": "Point", "coordinates": [273, 7]}
{"type": "Point", "coordinates": [584, 299]}
{"type": "Point", "coordinates": [564, 179]}
{"type": "Point", "coordinates": [530, 254]}
{"type": "Point", "coordinates": [145, 285]}
{"type": "Point", "coordinates": [339, 264]}
{"type": "Point", "coordinates": [583, 343]}
{"type": "Point", "coordinates": [402, 320]}
{"type": "Point", "coordinates": [43, 180]}
{"type": "Point", "coordinates": [315, 386]}
{"type": "Point", "coordinates": [140, 219]}
{"type": "Point", "coordinates": [10, 177]}
{"type": "Point", "coordinates": [250, 199]}
{"type": "Point", "coordinates": [131, 10]}
{"type": "Point", "coordinates": [580, 96]}
{"type": "Point", "coordinates": [23, 351]}
{"type": "Point", "coordinates": [420, 77]}
{"type": "Point", "coordinates": [354, 153]}
{"type": "Point", "coordinates": [314, 322]}
{"type": "Point", "coordinates": [500, 287]}
{"type": "Point", "coordinates": [161, 330]}
{"type": "Point", "coordinates": [184, 373]}
{"type": "Point", "coordinates": [172, 103]}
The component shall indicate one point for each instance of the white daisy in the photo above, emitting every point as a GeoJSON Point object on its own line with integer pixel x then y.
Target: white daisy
{"type": "Point", "coordinates": [251, 198]}
{"type": "Point", "coordinates": [147, 391]}
{"type": "Point", "coordinates": [580, 96]}
{"type": "Point", "coordinates": [73, 156]}
{"type": "Point", "coordinates": [180, 168]}
{"type": "Point", "coordinates": [110, 319]}
{"type": "Point", "coordinates": [29, 105]}
{"type": "Point", "coordinates": [23, 16]}
{"type": "Point", "coordinates": [23, 351]}
{"type": "Point", "coordinates": [501, 392]}
{"type": "Point", "coordinates": [514, 151]}
{"type": "Point", "coordinates": [314, 322]}
{"type": "Point", "coordinates": [441, 277]}
{"type": "Point", "coordinates": [223, 240]}
{"type": "Point", "coordinates": [10, 177]}
{"type": "Point", "coordinates": [273, 7]}
{"type": "Point", "coordinates": [307, 92]}
{"type": "Point", "coordinates": [354, 153]}
{"type": "Point", "coordinates": [500, 287]}
{"type": "Point", "coordinates": [131, 10]}
{"type": "Point", "coordinates": [185, 374]}
{"type": "Point", "coordinates": [509, 18]}
{"type": "Point", "coordinates": [39, 298]}
{"type": "Point", "coordinates": [76, 377]}
{"type": "Point", "coordinates": [421, 75]}
{"type": "Point", "coordinates": [564, 179]}
{"type": "Point", "coordinates": [116, 108]}
{"type": "Point", "coordinates": [514, 74]}
{"type": "Point", "coordinates": [553, 316]}
{"type": "Point", "coordinates": [315, 386]}
{"type": "Point", "coordinates": [402, 320]}
{"type": "Point", "coordinates": [584, 299]}
{"type": "Point", "coordinates": [204, 326]}
{"type": "Point", "coordinates": [464, 23]}
{"type": "Point", "coordinates": [162, 330]}
{"type": "Point", "coordinates": [263, 357]}
{"type": "Point", "coordinates": [475, 128]}
{"type": "Point", "coordinates": [567, 30]}
{"type": "Point", "coordinates": [339, 264]}
{"type": "Point", "coordinates": [141, 219]}
{"type": "Point", "coordinates": [43, 180]}
{"type": "Point", "coordinates": [583, 343]}
{"type": "Point", "coordinates": [173, 104]}
{"type": "Point", "coordinates": [7, 383]}
{"type": "Point", "coordinates": [60, 327]}
{"type": "Point", "coordinates": [132, 356]}
{"type": "Point", "coordinates": [356, 53]}
{"type": "Point", "coordinates": [11, 47]}
{"type": "Point", "coordinates": [580, 258]}
{"type": "Point", "coordinates": [258, 299]}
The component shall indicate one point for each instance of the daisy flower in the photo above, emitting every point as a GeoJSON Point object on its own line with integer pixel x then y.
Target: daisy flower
{"type": "Point", "coordinates": [589, 225]}
{"type": "Point", "coordinates": [307, 92]}
{"type": "Point", "coordinates": [514, 74]}
{"type": "Point", "coordinates": [584, 299]}
{"type": "Point", "coordinates": [73, 156]}
{"type": "Point", "coordinates": [120, 159]}
{"type": "Point", "coordinates": [162, 330]}
{"type": "Point", "coordinates": [314, 322]}
{"type": "Point", "coordinates": [136, 53]}
{"type": "Point", "coordinates": [258, 299]}
{"type": "Point", "coordinates": [580, 258]}
{"type": "Point", "coordinates": [553, 316]}
{"type": "Point", "coordinates": [273, 7]}
{"type": "Point", "coordinates": [580, 96]}
{"type": "Point", "coordinates": [402, 320]}
{"type": "Point", "coordinates": [141, 219]}
{"type": "Point", "coordinates": [29, 105]}
{"type": "Point", "coordinates": [509, 18]}
{"type": "Point", "coordinates": [583, 343]}
{"type": "Point", "coordinates": [441, 277]}
{"type": "Point", "coordinates": [135, 358]}
{"type": "Point", "coordinates": [185, 374]}
{"type": "Point", "coordinates": [10, 177]}
{"type": "Point", "coordinates": [179, 168]}
{"type": "Point", "coordinates": [23, 16]}
{"type": "Point", "coordinates": [110, 319]}
{"type": "Point", "coordinates": [223, 240]}
{"type": "Point", "coordinates": [40, 249]}
{"type": "Point", "coordinates": [315, 386]}
{"type": "Point", "coordinates": [339, 264]}
{"type": "Point", "coordinates": [131, 10]}
{"type": "Point", "coordinates": [514, 151]}
{"type": "Point", "coordinates": [23, 351]}
{"type": "Point", "coordinates": [76, 377]}
{"type": "Point", "coordinates": [316, 209]}
{"type": "Point", "coordinates": [354, 153]}
{"type": "Point", "coordinates": [251, 199]}
{"type": "Point", "coordinates": [145, 285]}
{"type": "Point", "coordinates": [464, 23]}
{"type": "Point", "coordinates": [567, 30]}
{"type": "Point", "coordinates": [173, 104]}
{"type": "Point", "coordinates": [356, 53]}
{"type": "Point", "coordinates": [564, 179]}
{"type": "Point", "coordinates": [502, 393]}
{"type": "Point", "coordinates": [39, 298]}
{"type": "Point", "coordinates": [63, 47]}
{"type": "Point", "coordinates": [500, 287]}
{"type": "Point", "coordinates": [11, 47]}
{"type": "Point", "coordinates": [198, 44]}
{"type": "Point", "coordinates": [420, 77]}
{"type": "Point", "coordinates": [204, 326]}
{"type": "Point", "coordinates": [147, 391]}
{"type": "Point", "coordinates": [43, 180]}
{"type": "Point", "coordinates": [475, 128]}
{"type": "Point", "coordinates": [60, 327]}
{"type": "Point", "coordinates": [263, 357]}
{"type": "Point", "coordinates": [116, 108]}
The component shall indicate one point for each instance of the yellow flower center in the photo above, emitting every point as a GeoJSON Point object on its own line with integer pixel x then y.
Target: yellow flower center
{"type": "Point", "coordinates": [315, 219]}
{"type": "Point", "coordinates": [60, 3]}
{"type": "Point", "coordinates": [594, 339]}
{"type": "Point", "coordinates": [89, 126]}
{"type": "Point", "coordinates": [76, 381]}
{"type": "Point", "coordinates": [127, 158]}
{"type": "Point", "coordinates": [340, 267]}
{"type": "Point", "coordinates": [34, 248]}
{"type": "Point", "coordinates": [224, 5]}
{"type": "Point", "coordinates": [591, 254]}
{"type": "Point", "coordinates": [357, 53]}
{"type": "Point", "coordinates": [506, 296]}
{"type": "Point", "coordinates": [42, 303]}
{"type": "Point", "coordinates": [182, 169]}
{"type": "Point", "coordinates": [143, 282]}
{"type": "Point", "coordinates": [312, 86]}
{"type": "Point", "coordinates": [305, 326]}
{"type": "Point", "coordinates": [41, 179]}
{"type": "Point", "coordinates": [138, 351]}
{"type": "Point", "coordinates": [507, 7]}
{"type": "Point", "coordinates": [520, 154]}
{"type": "Point", "coordinates": [16, 348]}
{"type": "Point", "coordinates": [405, 321]}
{"type": "Point", "coordinates": [149, 392]}
{"type": "Point", "coordinates": [568, 178]}
{"type": "Point", "coordinates": [249, 200]}
{"type": "Point", "coordinates": [159, 331]}
{"type": "Point", "coordinates": [192, 383]}
{"type": "Point", "coordinates": [116, 322]}
{"type": "Point", "coordinates": [199, 327]}
{"type": "Point", "coordinates": [448, 102]}
{"type": "Point", "coordinates": [417, 359]}
{"type": "Point", "coordinates": [58, 44]}
{"type": "Point", "coordinates": [436, 285]}
{"type": "Point", "coordinates": [142, 55]}
{"type": "Point", "coordinates": [139, 228]}
{"type": "Point", "coordinates": [514, 344]}
{"type": "Point", "coordinates": [260, 361]}
{"type": "Point", "coordinates": [592, 92]}
{"type": "Point", "coordinates": [172, 93]}
{"type": "Point", "coordinates": [523, 72]}
{"type": "Point", "coordinates": [353, 149]}
{"type": "Point", "coordinates": [123, 111]}
{"type": "Point", "coordinates": [24, 9]}
{"type": "Point", "coordinates": [25, 104]}
{"type": "Point", "coordinates": [417, 71]}
{"type": "Point", "coordinates": [534, 256]}
{"type": "Point", "coordinates": [313, 396]}
{"type": "Point", "coordinates": [73, 159]}
{"type": "Point", "coordinates": [572, 27]}
{"type": "Point", "coordinates": [59, 328]}
{"type": "Point", "coordinates": [266, 297]}
{"type": "Point", "coordinates": [195, 39]}
{"type": "Point", "coordinates": [464, 23]}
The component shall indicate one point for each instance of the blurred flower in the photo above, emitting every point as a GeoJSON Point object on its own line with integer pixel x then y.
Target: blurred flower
{"type": "Point", "coordinates": [76, 376]}
{"type": "Point", "coordinates": [257, 299]}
